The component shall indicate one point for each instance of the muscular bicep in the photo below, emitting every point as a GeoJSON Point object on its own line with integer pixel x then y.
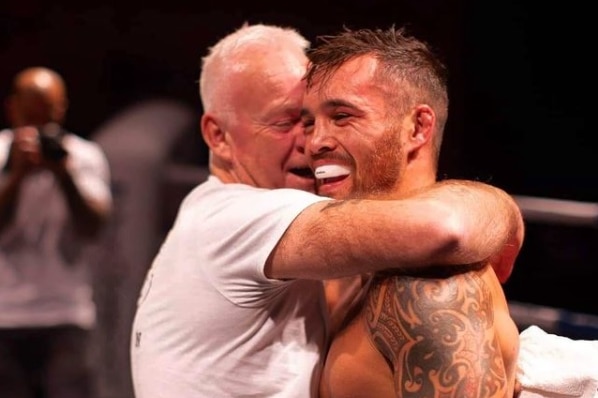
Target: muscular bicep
{"type": "Point", "coordinates": [437, 335]}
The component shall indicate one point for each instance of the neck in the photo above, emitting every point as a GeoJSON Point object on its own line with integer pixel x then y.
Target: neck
{"type": "Point", "coordinates": [414, 181]}
{"type": "Point", "coordinates": [411, 180]}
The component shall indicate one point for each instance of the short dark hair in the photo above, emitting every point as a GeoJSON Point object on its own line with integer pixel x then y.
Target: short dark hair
{"type": "Point", "coordinates": [403, 59]}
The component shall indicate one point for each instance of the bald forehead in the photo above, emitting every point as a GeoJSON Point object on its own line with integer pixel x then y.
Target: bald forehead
{"type": "Point", "coordinates": [39, 80]}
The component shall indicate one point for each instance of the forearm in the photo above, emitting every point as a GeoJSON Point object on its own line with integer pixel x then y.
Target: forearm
{"type": "Point", "coordinates": [343, 238]}
{"type": "Point", "coordinates": [88, 215]}
{"type": "Point", "coordinates": [448, 223]}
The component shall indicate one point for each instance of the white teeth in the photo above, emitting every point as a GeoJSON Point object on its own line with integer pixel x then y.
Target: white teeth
{"type": "Point", "coordinates": [331, 171]}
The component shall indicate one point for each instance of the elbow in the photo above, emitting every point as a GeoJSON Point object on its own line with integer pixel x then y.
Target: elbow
{"type": "Point", "coordinates": [467, 240]}
{"type": "Point", "coordinates": [454, 235]}
{"type": "Point", "coordinates": [452, 238]}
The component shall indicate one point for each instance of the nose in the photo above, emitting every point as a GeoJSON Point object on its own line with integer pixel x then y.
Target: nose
{"type": "Point", "coordinates": [318, 140]}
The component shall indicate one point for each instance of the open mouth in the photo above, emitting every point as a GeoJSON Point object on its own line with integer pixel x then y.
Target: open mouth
{"type": "Point", "coordinates": [331, 180]}
{"type": "Point", "coordinates": [304, 172]}
{"type": "Point", "coordinates": [330, 173]}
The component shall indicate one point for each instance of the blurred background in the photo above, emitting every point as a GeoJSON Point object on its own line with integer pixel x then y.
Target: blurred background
{"type": "Point", "coordinates": [521, 118]}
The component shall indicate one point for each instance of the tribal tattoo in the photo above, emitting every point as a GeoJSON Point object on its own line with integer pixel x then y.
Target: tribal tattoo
{"type": "Point", "coordinates": [437, 335]}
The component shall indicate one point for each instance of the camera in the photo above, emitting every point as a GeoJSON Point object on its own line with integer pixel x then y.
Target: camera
{"type": "Point", "coordinates": [50, 140]}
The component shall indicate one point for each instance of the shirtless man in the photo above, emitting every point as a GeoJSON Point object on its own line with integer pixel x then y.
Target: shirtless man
{"type": "Point", "coordinates": [424, 334]}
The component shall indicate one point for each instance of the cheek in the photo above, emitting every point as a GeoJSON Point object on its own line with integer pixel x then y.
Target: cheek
{"type": "Point", "coordinates": [380, 168]}
{"type": "Point", "coordinates": [272, 152]}
{"type": "Point", "coordinates": [284, 143]}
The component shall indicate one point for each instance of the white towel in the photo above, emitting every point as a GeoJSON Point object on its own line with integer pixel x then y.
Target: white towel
{"type": "Point", "coordinates": [552, 366]}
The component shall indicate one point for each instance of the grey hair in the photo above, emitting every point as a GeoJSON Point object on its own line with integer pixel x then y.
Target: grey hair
{"type": "Point", "coordinates": [226, 56]}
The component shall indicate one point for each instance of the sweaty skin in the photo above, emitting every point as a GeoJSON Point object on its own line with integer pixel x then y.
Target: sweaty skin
{"type": "Point", "coordinates": [449, 337]}
{"type": "Point", "coordinates": [428, 333]}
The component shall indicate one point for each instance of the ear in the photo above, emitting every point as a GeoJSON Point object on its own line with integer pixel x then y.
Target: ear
{"type": "Point", "coordinates": [59, 111]}
{"type": "Point", "coordinates": [215, 136]}
{"type": "Point", "coordinates": [424, 120]}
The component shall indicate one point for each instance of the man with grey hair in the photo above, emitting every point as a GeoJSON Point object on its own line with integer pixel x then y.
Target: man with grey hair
{"type": "Point", "coordinates": [233, 304]}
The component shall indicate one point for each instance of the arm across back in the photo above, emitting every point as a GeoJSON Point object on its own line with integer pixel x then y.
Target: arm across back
{"type": "Point", "coordinates": [451, 222]}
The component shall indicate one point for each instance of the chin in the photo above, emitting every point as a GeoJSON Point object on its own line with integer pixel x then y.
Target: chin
{"type": "Point", "coordinates": [331, 192]}
{"type": "Point", "coordinates": [336, 188]}
{"type": "Point", "coordinates": [304, 184]}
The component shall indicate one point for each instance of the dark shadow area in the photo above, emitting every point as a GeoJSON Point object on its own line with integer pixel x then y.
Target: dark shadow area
{"type": "Point", "coordinates": [527, 118]}
{"type": "Point", "coordinates": [557, 268]}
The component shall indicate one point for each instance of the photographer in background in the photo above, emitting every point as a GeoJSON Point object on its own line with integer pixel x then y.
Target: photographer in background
{"type": "Point", "coordinates": [54, 197]}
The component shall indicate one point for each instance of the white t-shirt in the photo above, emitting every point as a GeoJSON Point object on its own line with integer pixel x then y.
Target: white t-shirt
{"type": "Point", "coordinates": [209, 323]}
{"type": "Point", "coordinates": [44, 280]}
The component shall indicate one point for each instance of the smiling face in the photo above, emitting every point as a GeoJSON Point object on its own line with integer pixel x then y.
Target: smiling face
{"type": "Point", "coordinates": [355, 136]}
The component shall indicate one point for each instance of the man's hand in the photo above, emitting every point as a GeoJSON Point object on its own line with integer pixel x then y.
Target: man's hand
{"type": "Point", "coordinates": [25, 151]}
{"type": "Point", "coordinates": [27, 154]}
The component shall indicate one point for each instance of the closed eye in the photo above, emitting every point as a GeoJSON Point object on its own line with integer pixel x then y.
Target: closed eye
{"type": "Point", "coordinates": [286, 125]}
{"type": "Point", "coordinates": [308, 123]}
{"type": "Point", "coordinates": [340, 116]}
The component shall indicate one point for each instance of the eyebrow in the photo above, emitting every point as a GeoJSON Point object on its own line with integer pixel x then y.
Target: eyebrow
{"type": "Point", "coordinates": [328, 104]}
{"type": "Point", "coordinates": [335, 103]}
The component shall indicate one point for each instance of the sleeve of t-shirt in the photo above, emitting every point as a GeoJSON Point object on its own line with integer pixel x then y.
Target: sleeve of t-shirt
{"type": "Point", "coordinates": [241, 230]}
{"type": "Point", "coordinates": [6, 138]}
{"type": "Point", "coordinates": [89, 168]}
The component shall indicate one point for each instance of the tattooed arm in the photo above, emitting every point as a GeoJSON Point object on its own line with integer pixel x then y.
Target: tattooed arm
{"type": "Point", "coordinates": [442, 336]}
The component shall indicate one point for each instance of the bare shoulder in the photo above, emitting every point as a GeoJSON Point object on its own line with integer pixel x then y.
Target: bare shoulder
{"type": "Point", "coordinates": [439, 335]}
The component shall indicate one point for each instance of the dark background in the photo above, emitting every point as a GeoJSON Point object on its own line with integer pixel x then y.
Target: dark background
{"type": "Point", "coordinates": [522, 89]}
